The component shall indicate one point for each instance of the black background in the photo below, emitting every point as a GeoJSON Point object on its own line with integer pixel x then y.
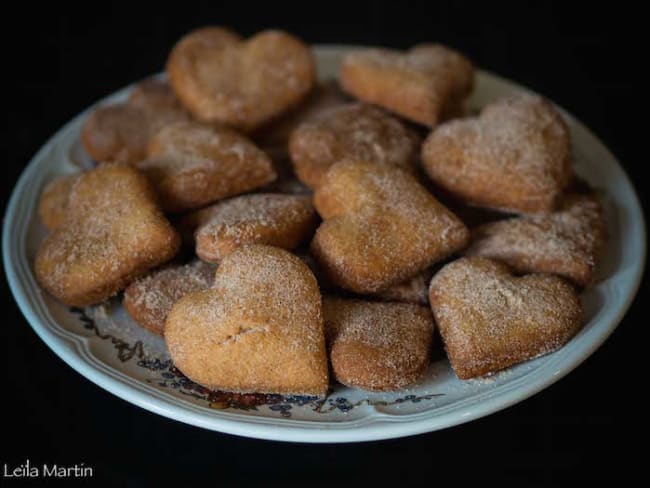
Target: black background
{"type": "Point", "coordinates": [587, 58]}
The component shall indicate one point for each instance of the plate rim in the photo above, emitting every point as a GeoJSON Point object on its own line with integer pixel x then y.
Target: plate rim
{"type": "Point", "coordinates": [377, 430]}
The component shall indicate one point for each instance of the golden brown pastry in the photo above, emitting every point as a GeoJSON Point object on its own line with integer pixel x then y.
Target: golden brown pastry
{"type": "Point", "coordinates": [426, 84]}
{"type": "Point", "coordinates": [113, 233]}
{"type": "Point", "coordinates": [489, 319]}
{"type": "Point", "coordinates": [413, 290]}
{"type": "Point", "coordinates": [264, 218]}
{"type": "Point", "coordinates": [377, 346]}
{"type": "Point", "coordinates": [353, 131]}
{"type": "Point", "coordinates": [191, 165]}
{"type": "Point", "coordinates": [380, 227]}
{"type": "Point", "coordinates": [566, 242]}
{"type": "Point", "coordinates": [120, 132]}
{"type": "Point", "coordinates": [515, 156]}
{"type": "Point", "coordinates": [274, 137]}
{"type": "Point", "coordinates": [259, 329]}
{"type": "Point", "coordinates": [53, 204]}
{"type": "Point", "coordinates": [243, 84]}
{"type": "Point", "coordinates": [149, 299]}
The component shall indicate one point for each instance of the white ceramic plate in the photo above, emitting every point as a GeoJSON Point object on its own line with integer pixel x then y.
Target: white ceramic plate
{"type": "Point", "coordinates": [103, 344]}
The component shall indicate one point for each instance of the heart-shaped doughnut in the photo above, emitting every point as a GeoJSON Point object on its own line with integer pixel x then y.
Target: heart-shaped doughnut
{"type": "Point", "coordinates": [259, 329]}
{"type": "Point", "coordinates": [490, 319]}
{"type": "Point", "coordinates": [264, 218]}
{"type": "Point", "coordinates": [191, 165]}
{"type": "Point", "coordinates": [377, 346]}
{"type": "Point", "coordinates": [354, 131]}
{"type": "Point", "coordinates": [149, 299]}
{"type": "Point", "coordinates": [566, 242]}
{"type": "Point", "coordinates": [515, 156]}
{"type": "Point", "coordinates": [220, 78]}
{"type": "Point", "coordinates": [120, 132]}
{"type": "Point", "coordinates": [113, 232]}
{"type": "Point", "coordinates": [381, 227]}
{"type": "Point", "coordinates": [425, 84]}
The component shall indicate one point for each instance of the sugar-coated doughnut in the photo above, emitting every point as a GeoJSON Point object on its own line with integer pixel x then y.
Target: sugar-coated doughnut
{"type": "Point", "coordinates": [275, 136]}
{"type": "Point", "coordinates": [259, 329]}
{"type": "Point", "coordinates": [53, 203]}
{"type": "Point", "coordinates": [221, 78]}
{"type": "Point", "coordinates": [377, 346]}
{"type": "Point", "coordinates": [515, 156]}
{"type": "Point", "coordinates": [149, 299]}
{"type": "Point", "coordinates": [191, 165]}
{"type": "Point", "coordinates": [113, 233]}
{"type": "Point", "coordinates": [120, 132]}
{"type": "Point", "coordinates": [413, 290]}
{"type": "Point", "coordinates": [425, 84]}
{"type": "Point", "coordinates": [351, 131]}
{"type": "Point", "coordinates": [490, 319]}
{"type": "Point", "coordinates": [381, 227]}
{"type": "Point", "coordinates": [566, 242]}
{"type": "Point", "coordinates": [264, 218]}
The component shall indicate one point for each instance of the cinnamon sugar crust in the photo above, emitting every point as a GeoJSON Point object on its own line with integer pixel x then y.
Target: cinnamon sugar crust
{"type": "Point", "coordinates": [264, 218]}
{"type": "Point", "coordinates": [191, 165]}
{"type": "Point", "coordinates": [259, 329]}
{"type": "Point", "coordinates": [515, 156]}
{"type": "Point", "coordinates": [425, 84]}
{"type": "Point", "coordinates": [53, 203]}
{"type": "Point", "coordinates": [149, 299]}
{"type": "Point", "coordinates": [244, 84]}
{"type": "Point", "coordinates": [120, 132]}
{"type": "Point", "coordinates": [113, 233]}
{"type": "Point", "coordinates": [413, 290]}
{"type": "Point", "coordinates": [353, 131]}
{"type": "Point", "coordinates": [377, 346]}
{"type": "Point", "coordinates": [381, 227]}
{"type": "Point", "coordinates": [490, 319]}
{"type": "Point", "coordinates": [566, 242]}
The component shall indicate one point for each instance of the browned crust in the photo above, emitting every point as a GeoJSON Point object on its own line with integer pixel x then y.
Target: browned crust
{"type": "Point", "coordinates": [487, 326]}
{"type": "Point", "coordinates": [567, 242]}
{"type": "Point", "coordinates": [258, 329]}
{"type": "Point", "coordinates": [381, 227]}
{"type": "Point", "coordinates": [359, 360]}
{"type": "Point", "coordinates": [286, 225]}
{"type": "Point", "coordinates": [523, 171]}
{"type": "Point", "coordinates": [114, 233]}
{"type": "Point", "coordinates": [420, 96]}
{"type": "Point", "coordinates": [255, 93]}
{"type": "Point", "coordinates": [351, 131]}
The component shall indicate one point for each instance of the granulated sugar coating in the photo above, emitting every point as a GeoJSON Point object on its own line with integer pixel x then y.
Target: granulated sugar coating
{"type": "Point", "coordinates": [264, 218]}
{"type": "Point", "coordinates": [566, 242]}
{"type": "Point", "coordinates": [191, 165]}
{"type": "Point", "coordinates": [377, 346]}
{"type": "Point", "coordinates": [149, 299]}
{"type": "Point", "coordinates": [222, 79]}
{"type": "Point", "coordinates": [423, 84]}
{"type": "Point", "coordinates": [53, 204]}
{"type": "Point", "coordinates": [355, 131]}
{"type": "Point", "coordinates": [113, 233]}
{"type": "Point", "coordinates": [489, 319]}
{"type": "Point", "coordinates": [514, 156]}
{"type": "Point", "coordinates": [120, 132]}
{"type": "Point", "coordinates": [381, 227]}
{"type": "Point", "coordinates": [259, 329]}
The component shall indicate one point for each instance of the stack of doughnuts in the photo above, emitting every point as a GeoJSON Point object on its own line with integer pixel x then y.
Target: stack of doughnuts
{"type": "Point", "coordinates": [283, 234]}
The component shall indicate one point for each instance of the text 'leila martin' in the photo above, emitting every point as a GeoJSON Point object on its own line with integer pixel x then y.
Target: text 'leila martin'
{"type": "Point", "coordinates": [28, 470]}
